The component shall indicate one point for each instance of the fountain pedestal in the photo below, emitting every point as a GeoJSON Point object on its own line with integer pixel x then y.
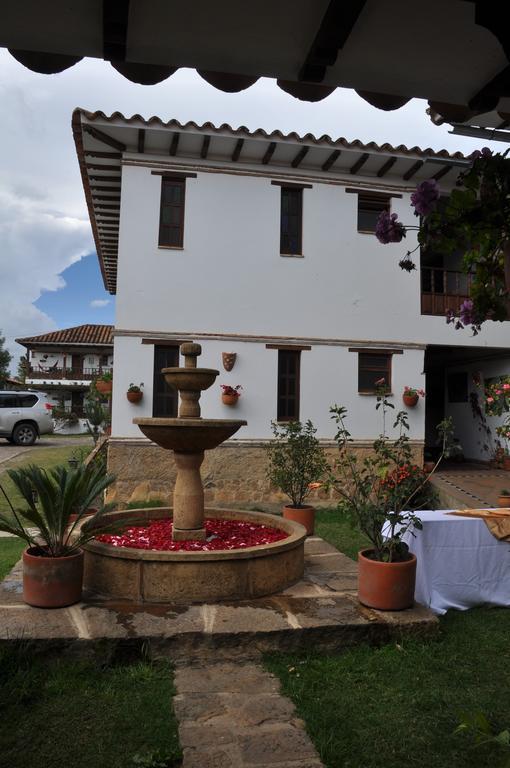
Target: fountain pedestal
{"type": "Point", "coordinates": [188, 498]}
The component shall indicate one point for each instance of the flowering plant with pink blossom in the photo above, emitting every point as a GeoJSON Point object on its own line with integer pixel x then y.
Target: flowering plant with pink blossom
{"type": "Point", "coordinates": [474, 219]}
{"type": "Point", "coordinates": [497, 397]}
{"type": "Point", "coordinates": [412, 392]}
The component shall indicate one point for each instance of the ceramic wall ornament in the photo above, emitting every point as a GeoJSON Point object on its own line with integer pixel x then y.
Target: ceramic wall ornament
{"type": "Point", "coordinates": [229, 359]}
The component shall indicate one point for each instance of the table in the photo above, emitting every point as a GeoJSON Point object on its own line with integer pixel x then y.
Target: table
{"type": "Point", "coordinates": [460, 563]}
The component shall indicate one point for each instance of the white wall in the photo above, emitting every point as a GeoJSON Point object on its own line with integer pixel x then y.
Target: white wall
{"type": "Point", "coordinates": [466, 426]}
{"type": "Point", "coordinates": [230, 278]}
{"type": "Point", "coordinates": [329, 375]}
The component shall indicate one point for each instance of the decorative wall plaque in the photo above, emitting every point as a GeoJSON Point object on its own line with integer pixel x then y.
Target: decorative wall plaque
{"type": "Point", "coordinates": [229, 359]}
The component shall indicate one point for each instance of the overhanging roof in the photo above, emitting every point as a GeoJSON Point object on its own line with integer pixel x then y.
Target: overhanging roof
{"type": "Point", "coordinates": [452, 52]}
{"type": "Point", "coordinates": [89, 335]}
{"type": "Point", "coordinates": [104, 143]}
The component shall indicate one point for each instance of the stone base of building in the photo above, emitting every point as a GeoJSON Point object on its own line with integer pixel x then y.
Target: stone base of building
{"type": "Point", "coordinates": [234, 473]}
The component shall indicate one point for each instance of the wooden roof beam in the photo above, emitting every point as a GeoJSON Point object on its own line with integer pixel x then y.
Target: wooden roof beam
{"type": "Point", "coordinates": [205, 147]}
{"type": "Point", "coordinates": [383, 170]}
{"type": "Point", "coordinates": [412, 170]}
{"type": "Point", "coordinates": [331, 160]}
{"type": "Point", "coordinates": [141, 141]}
{"type": "Point", "coordinates": [99, 188]}
{"type": "Point", "coordinates": [334, 30]}
{"type": "Point", "coordinates": [269, 153]}
{"type": "Point", "coordinates": [106, 178]}
{"type": "Point", "coordinates": [174, 144]}
{"type": "Point", "coordinates": [107, 155]}
{"type": "Point", "coordinates": [105, 138]}
{"type": "Point", "coordinates": [300, 157]}
{"type": "Point", "coordinates": [442, 172]}
{"type": "Point", "coordinates": [237, 150]}
{"type": "Point", "coordinates": [102, 167]}
{"type": "Point", "coordinates": [360, 162]}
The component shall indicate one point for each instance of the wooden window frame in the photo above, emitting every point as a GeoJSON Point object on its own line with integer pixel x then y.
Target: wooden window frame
{"type": "Point", "coordinates": [370, 198]}
{"type": "Point", "coordinates": [363, 354]}
{"type": "Point", "coordinates": [168, 179]}
{"type": "Point", "coordinates": [295, 417]}
{"type": "Point", "coordinates": [298, 189]}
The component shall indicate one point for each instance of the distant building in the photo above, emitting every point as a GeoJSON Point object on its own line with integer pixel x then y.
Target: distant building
{"type": "Point", "coordinates": [63, 363]}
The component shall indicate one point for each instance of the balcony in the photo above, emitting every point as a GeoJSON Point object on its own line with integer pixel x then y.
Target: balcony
{"type": "Point", "coordinates": [46, 373]}
{"type": "Point", "coordinates": [443, 289]}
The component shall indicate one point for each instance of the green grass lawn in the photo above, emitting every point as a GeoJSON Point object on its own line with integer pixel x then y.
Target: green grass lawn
{"type": "Point", "coordinates": [45, 457]}
{"type": "Point", "coordinates": [330, 525]}
{"type": "Point", "coordinates": [399, 705]}
{"type": "Point", "coordinates": [57, 713]}
{"type": "Point", "coordinates": [10, 552]}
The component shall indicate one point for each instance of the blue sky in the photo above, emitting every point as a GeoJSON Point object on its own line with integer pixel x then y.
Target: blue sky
{"type": "Point", "coordinates": [82, 299]}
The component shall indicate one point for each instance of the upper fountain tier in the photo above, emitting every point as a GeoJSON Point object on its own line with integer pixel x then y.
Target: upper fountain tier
{"type": "Point", "coordinates": [189, 433]}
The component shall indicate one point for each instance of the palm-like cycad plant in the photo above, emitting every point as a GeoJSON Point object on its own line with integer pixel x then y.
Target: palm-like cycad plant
{"type": "Point", "coordinates": [51, 525]}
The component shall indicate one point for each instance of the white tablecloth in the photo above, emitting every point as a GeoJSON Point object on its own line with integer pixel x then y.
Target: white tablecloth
{"type": "Point", "coordinates": [460, 564]}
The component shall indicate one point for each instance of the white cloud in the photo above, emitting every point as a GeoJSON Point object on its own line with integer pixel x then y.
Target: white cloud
{"type": "Point", "coordinates": [99, 302]}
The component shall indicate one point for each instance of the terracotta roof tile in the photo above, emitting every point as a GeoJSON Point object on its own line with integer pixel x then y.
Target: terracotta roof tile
{"type": "Point", "coordinates": [79, 334]}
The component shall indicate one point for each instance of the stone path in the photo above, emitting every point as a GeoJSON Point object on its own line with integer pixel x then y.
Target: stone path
{"type": "Point", "coordinates": [234, 716]}
{"type": "Point", "coordinates": [470, 485]}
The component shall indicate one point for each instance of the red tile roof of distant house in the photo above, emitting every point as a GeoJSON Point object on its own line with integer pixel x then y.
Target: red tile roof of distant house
{"type": "Point", "coordinates": [90, 335]}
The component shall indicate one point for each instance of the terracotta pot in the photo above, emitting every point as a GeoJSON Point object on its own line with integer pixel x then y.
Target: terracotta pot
{"type": "Point", "coordinates": [386, 586]}
{"type": "Point", "coordinates": [303, 515]}
{"type": "Point", "coordinates": [410, 400]}
{"type": "Point", "coordinates": [229, 399]}
{"type": "Point", "coordinates": [134, 397]}
{"type": "Point", "coordinates": [506, 463]}
{"type": "Point", "coordinates": [504, 501]}
{"type": "Point", "coordinates": [52, 582]}
{"type": "Point", "coordinates": [105, 387]}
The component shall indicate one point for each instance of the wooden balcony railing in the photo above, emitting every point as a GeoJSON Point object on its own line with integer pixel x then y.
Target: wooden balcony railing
{"type": "Point", "coordinates": [443, 289]}
{"type": "Point", "coordinates": [44, 372]}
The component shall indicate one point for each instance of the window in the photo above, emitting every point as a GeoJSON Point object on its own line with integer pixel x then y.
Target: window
{"type": "Point", "coordinates": [171, 215]}
{"type": "Point", "coordinates": [291, 220]}
{"type": "Point", "coordinates": [457, 386]}
{"type": "Point", "coordinates": [165, 397]}
{"type": "Point", "coordinates": [370, 206]}
{"type": "Point", "coordinates": [9, 401]}
{"type": "Point", "coordinates": [288, 385]}
{"type": "Point", "coordinates": [373, 366]}
{"type": "Point", "coordinates": [27, 401]}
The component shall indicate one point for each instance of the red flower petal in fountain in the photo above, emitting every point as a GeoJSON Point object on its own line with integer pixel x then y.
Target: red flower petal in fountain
{"type": "Point", "coordinates": [221, 534]}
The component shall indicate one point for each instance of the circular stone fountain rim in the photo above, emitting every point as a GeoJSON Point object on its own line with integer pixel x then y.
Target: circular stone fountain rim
{"type": "Point", "coordinates": [297, 534]}
{"type": "Point", "coordinates": [185, 422]}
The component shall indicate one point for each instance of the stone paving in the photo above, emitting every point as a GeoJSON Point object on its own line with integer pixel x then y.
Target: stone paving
{"type": "Point", "coordinates": [234, 716]}
{"type": "Point", "coordinates": [469, 485]}
{"type": "Point", "coordinates": [320, 611]}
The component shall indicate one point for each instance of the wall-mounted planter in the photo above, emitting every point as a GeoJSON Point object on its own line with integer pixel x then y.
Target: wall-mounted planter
{"type": "Point", "coordinates": [229, 399]}
{"type": "Point", "coordinates": [134, 397]}
{"type": "Point", "coordinates": [410, 400]}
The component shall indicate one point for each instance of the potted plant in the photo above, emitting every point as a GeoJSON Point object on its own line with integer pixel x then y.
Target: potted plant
{"type": "Point", "coordinates": [411, 396]}
{"type": "Point", "coordinates": [230, 395]}
{"type": "Point", "coordinates": [55, 504]}
{"type": "Point", "coordinates": [104, 383]}
{"type": "Point", "coordinates": [296, 462]}
{"type": "Point", "coordinates": [134, 393]}
{"type": "Point", "coordinates": [379, 494]}
{"type": "Point", "coordinates": [504, 498]}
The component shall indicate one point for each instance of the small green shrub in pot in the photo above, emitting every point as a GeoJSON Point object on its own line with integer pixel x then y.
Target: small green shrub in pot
{"type": "Point", "coordinates": [56, 503]}
{"type": "Point", "coordinates": [296, 462]}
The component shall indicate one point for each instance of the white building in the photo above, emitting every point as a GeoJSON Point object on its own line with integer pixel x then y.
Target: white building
{"type": "Point", "coordinates": [263, 245]}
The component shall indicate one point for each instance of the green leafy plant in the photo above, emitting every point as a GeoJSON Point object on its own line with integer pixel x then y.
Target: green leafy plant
{"type": "Point", "coordinates": [296, 461]}
{"type": "Point", "coordinates": [106, 376]}
{"type": "Point", "coordinates": [135, 387]}
{"type": "Point", "coordinates": [95, 413]}
{"type": "Point", "coordinates": [478, 728]}
{"type": "Point", "coordinates": [504, 492]}
{"type": "Point", "coordinates": [380, 492]}
{"type": "Point", "coordinates": [56, 502]}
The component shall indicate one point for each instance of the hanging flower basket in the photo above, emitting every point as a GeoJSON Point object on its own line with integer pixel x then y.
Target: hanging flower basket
{"type": "Point", "coordinates": [411, 396]}
{"type": "Point", "coordinates": [230, 395]}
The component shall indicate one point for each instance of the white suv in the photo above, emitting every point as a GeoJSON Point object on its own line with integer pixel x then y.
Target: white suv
{"type": "Point", "coordinates": [24, 416]}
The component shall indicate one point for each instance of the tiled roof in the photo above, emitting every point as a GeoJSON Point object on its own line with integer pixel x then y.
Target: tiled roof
{"type": "Point", "coordinates": [79, 334]}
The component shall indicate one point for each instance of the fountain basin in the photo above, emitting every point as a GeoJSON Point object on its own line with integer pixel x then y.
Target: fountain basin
{"type": "Point", "coordinates": [188, 435]}
{"type": "Point", "coordinates": [190, 379]}
{"type": "Point", "coordinates": [153, 576]}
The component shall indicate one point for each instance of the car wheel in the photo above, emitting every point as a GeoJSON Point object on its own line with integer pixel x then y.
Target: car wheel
{"type": "Point", "coordinates": [24, 434]}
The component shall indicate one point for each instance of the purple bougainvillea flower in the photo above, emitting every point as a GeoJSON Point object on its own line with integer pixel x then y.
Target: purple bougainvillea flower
{"type": "Point", "coordinates": [425, 197]}
{"type": "Point", "coordinates": [388, 229]}
{"type": "Point", "coordinates": [466, 314]}
{"type": "Point", "coordinates": [486, 152]}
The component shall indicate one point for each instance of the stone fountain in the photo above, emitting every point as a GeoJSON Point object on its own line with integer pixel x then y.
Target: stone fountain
{"type": "Point", "coordinates": [145, 575]}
